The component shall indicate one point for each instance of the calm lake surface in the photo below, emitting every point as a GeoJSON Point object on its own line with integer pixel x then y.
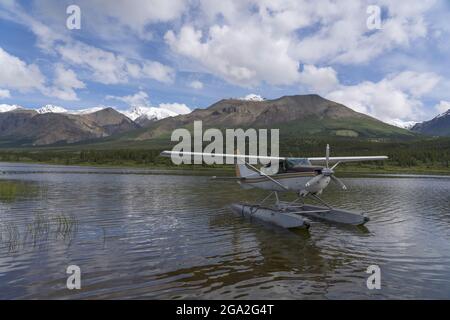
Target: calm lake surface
{"type": "Point", "coordinates": [148, 235]}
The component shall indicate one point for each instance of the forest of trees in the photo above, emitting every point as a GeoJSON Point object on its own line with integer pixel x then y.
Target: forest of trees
{"type": "Point", "coordinates": [432, 153]}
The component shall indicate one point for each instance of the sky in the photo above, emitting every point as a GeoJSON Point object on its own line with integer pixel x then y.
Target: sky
{"type": "Point", "coordinates": [388, 59]}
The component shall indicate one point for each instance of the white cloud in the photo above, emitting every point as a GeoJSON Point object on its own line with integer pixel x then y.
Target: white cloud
{"type": "Point", "coordinates": [393, 97]}
{"type": "Point", "coordinates": [5, 93]}
{"type": "Point", "coordinates": [179, 108]}
{"type": "Point", "coordinates": [319, 80]}
{"type": "Point", "coordinates": [46, 36]}
{"type": "Point", "coordinates": [244, 55]}
{"type": "Point", "coordinates": [134, 15]}
{"type": "Point", "coordinates": [140, 103]}
{"type": "Point", "coordinates": [415, 83]}
{"type": "Point", "coordinates": [157, 71]}
{"type": "Point", "coordinates": [88, 110]}
{"type": "Point", "coordinates": [66, 78]}
{"type": "Point", "coordinates": [249, 42]}
{"type": "Point", "coordinates": [64, 83]}
{"type": "Point", "coordinates": [17, 74]}
{"type": "Point", "coordinates": [443, 106]}
{"type": "Point", "coordinates": [196, 84]}
{"type": "Point", "coordinates": [138, 99]}
{"type": "Point", "coordinates": [110, 68]}
{"type": "Point", "coordinates": [343, 38]}
{"type": "Point", "coordinates": [105, 66]}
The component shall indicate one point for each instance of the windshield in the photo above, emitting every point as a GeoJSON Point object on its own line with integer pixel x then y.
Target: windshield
{"type": "Point", "coordinates": [297, 162]}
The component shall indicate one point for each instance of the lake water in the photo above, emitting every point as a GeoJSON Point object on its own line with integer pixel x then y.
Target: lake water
{"type": "Point", "coordinates": [150, 235]}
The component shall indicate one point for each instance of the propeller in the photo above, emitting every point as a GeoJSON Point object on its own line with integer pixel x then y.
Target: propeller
{"type": "Point", "coordinates": [327, 171]}
{"type": "Point", "coordinates": [339, 182]}
{"type": "Point", "coordinates": [318, 183]}
{"type": "Point", "coordinates": [330, 171]}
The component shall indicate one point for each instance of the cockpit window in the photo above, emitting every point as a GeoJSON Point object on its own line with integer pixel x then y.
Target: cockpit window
{"type": "Point", "coordinates": [289, 165]}
{"type": "Point", "coordinates": [297, 162]}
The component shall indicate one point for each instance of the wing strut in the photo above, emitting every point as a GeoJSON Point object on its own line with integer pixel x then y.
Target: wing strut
{"type": "Point", "coordinates": [266, 175]}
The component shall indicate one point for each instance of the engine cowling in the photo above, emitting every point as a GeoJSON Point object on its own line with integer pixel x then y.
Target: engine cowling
{"type": "Point", "coordinates": [317, 184]}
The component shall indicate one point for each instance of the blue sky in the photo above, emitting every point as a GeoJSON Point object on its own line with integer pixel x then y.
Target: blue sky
{"type": "Point", "coordinates": [194, 52]}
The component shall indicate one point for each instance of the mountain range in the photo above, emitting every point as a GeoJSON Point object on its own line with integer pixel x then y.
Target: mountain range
{"type": "Point", "coordinates": [296, 116]}
{"type": "Point", "coordinates": [52, 124]}
{"type": "Point", "coordinates": [31, 127]}
{"type": "Point", "coordinates": [149, 113]}
{"type": "Point", "coordinates": [300, 115]}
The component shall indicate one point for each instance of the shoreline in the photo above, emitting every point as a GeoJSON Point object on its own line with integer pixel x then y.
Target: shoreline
{"type": "Point", "coordinates": [344, 169]}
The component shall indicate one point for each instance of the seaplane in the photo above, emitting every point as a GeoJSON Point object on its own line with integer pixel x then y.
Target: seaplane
{"type": "Point", "coordinates": [306, 177]}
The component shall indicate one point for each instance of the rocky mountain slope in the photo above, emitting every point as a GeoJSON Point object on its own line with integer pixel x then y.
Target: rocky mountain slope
{"type": "Point", "coordinates": [438, 126]}
{"type": "Point", "coordinates": [29, 127]}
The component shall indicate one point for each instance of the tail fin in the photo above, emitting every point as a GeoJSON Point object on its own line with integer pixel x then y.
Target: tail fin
{"type": "Point", "coordinates": [241, 169]}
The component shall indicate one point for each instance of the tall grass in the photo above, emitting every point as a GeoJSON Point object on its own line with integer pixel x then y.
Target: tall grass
{"type": "Point", "coordinates": [38, 233]}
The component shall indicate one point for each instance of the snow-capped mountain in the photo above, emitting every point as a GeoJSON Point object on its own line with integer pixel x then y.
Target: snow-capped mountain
{"type": "Point", "coordinates": [402, 124]}
{"type": "Point", "coordinates": [148, 113]}
{"type": "Point", "coordinates": [9, 107]}
{"type": "Point", "coordinates": [56, 109]}
{"type": "Point", "coordinates": [438, 126]}
{"type": "Point", "coordinates": [252, 97]}
{"type": "Point", "coordinates": [444, 114]}
{"type": "Point", "coordinates": [49, 108]}
{"type": "Point", "coordinates": [144, 113]}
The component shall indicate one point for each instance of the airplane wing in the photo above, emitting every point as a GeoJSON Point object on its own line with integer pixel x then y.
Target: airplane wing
{"type": "Point", "coordinates": [346, 159]}
{"type": "Point", "coordinates": [313, 160]}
